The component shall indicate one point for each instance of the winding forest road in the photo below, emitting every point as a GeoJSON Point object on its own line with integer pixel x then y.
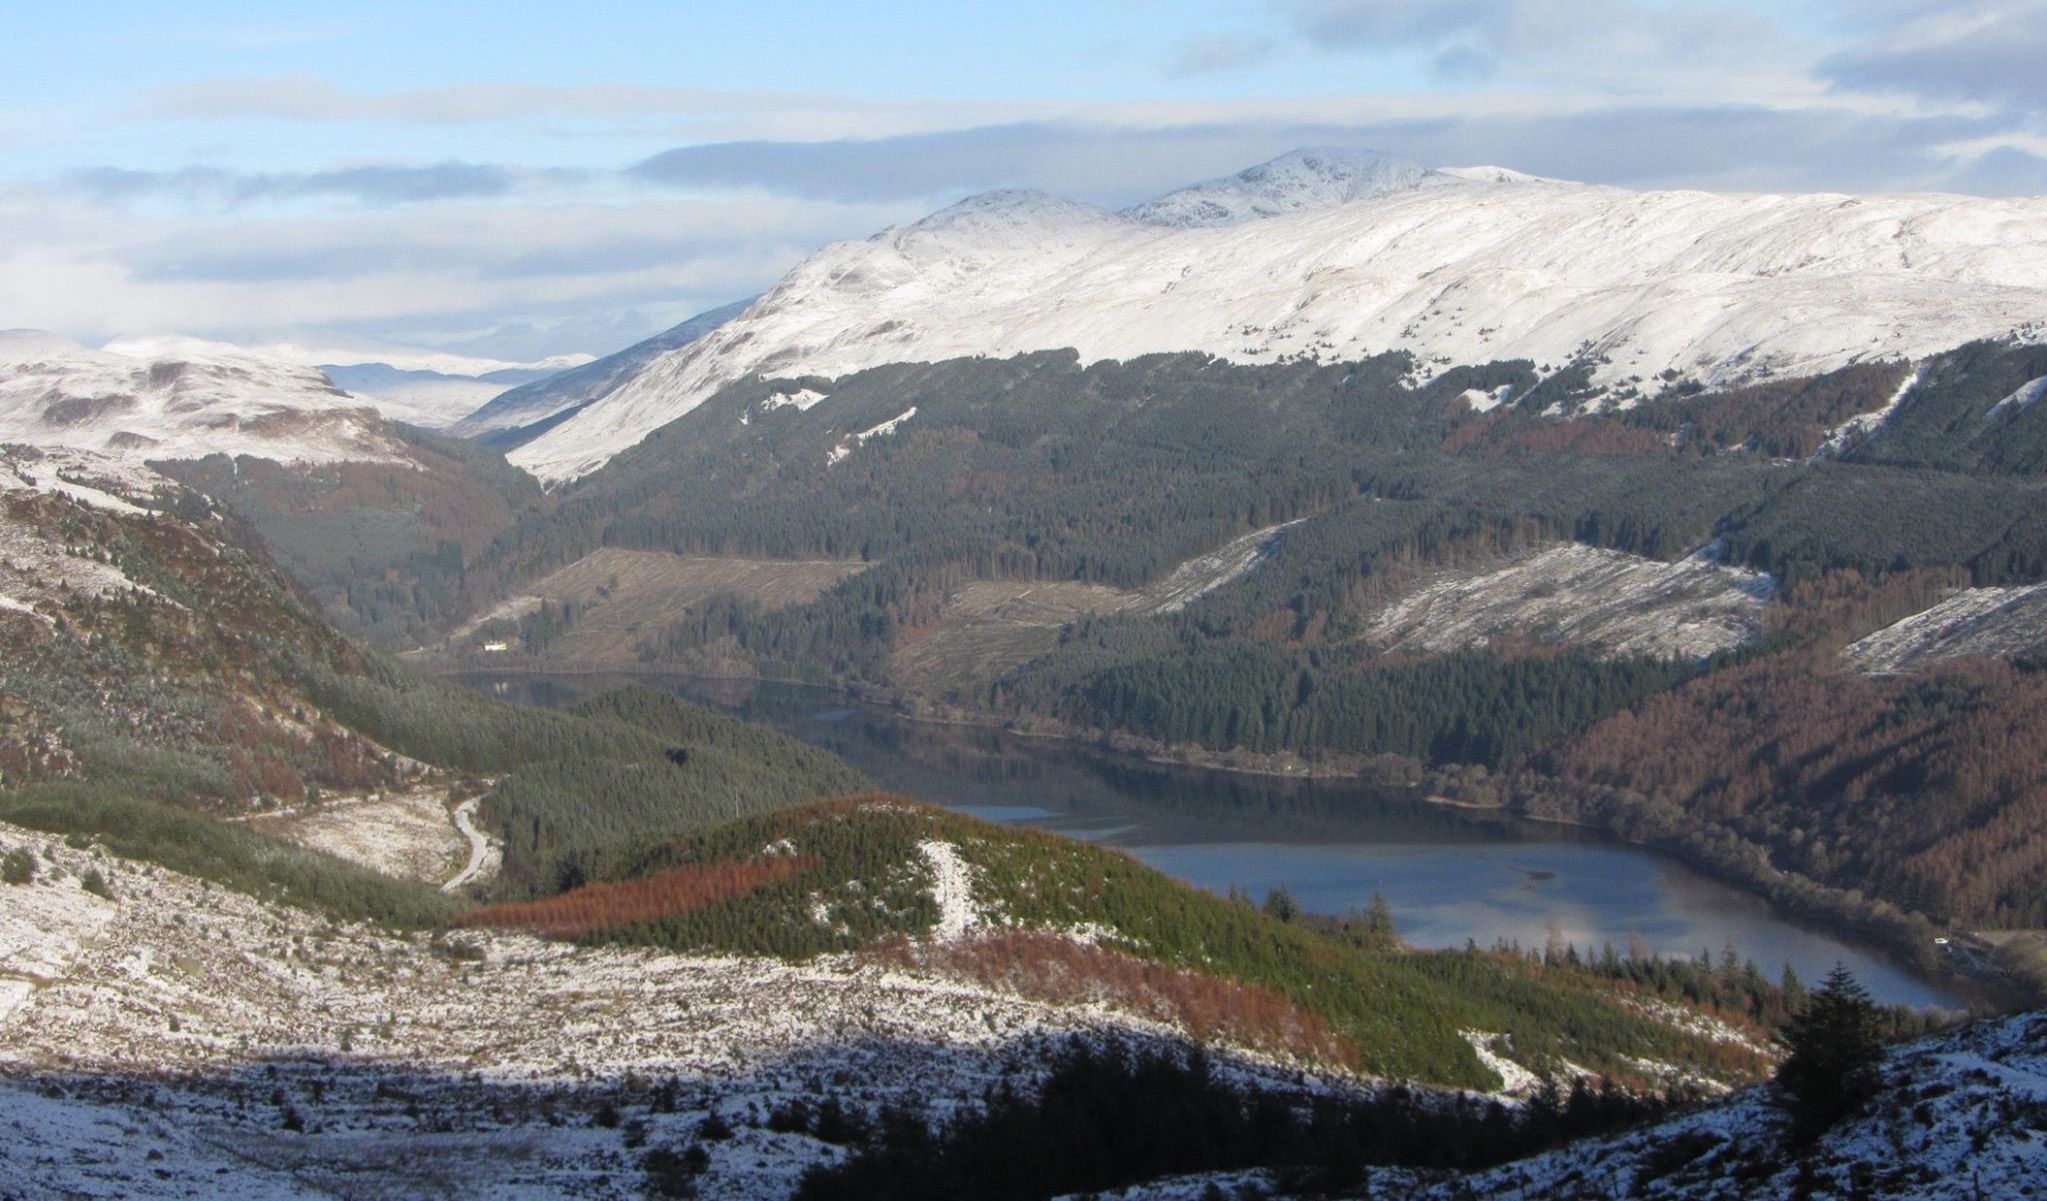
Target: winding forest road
{"type": "Point", "coordinates": [479, 846]}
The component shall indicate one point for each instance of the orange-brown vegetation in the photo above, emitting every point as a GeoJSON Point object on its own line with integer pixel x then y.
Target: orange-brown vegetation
{"type": "Point", "coordinates": [1786, 419]}
{"type": "Point", "coordinates": [1928, 791]}
{"type": "Point", "coordinates": [594, 908]}
{"type": "Point", "coordinates": [1061, 970]}
{"type": "Point", "coordinates": [1841, 606]}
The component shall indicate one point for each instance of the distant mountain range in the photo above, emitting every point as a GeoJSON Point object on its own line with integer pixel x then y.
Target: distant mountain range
{"type": "Point", "coordinates": [181, 399]}
{"type": "Point", "coordinates": [434, 399]}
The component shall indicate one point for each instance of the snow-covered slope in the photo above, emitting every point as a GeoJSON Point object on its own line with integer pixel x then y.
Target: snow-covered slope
{"type": "Point", "coordinates": [1297, 182]}
{"type": "Point", "coordinates": [169, 1031]}
{"type": "Point", "coordinates": [179, 399]}
{"type": "Point", "coordinates": [1457, 266]}
{"type": "Point", "coordinates": [1999, 622]}
{"type": "Point", "coordinates": [1580, 595]}
{"type": "Point", "coordinates": [1960, 1116]}
{"type": "Point", "coordinates": [531, 403]}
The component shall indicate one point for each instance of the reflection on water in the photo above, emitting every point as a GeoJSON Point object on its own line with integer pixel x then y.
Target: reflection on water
{"type": "Point", "coordinates": [1451, 875]}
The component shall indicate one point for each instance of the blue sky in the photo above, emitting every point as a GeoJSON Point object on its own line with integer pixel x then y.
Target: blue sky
{"type": "Point", "coordinates": [516, 180]}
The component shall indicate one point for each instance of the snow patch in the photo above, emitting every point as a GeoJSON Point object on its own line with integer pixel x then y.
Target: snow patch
{"type": "Point", "coordinates": [1581, 595]}
{"type": "Point", "coordinates": [801, 400]}
{"type": "Point", "coordinates": [2027, 395]}
{"type": "Point", "coordinates": [952, 887]}
{"type": "Point", "coordinates": [1515, 1080]}
{"type": "Point", "coordinates": [10, 605]}
{"type": "Point", "coordinates": [1999, 622]}
{"type": "Point", "coordinates": [1480, 401]}
{"type": "Point", "coordinates": [1203, 574]}
{"type": "Point", "coordinates": [1862, 425]}
{"type": "Point", "coordinates": [839, 452]}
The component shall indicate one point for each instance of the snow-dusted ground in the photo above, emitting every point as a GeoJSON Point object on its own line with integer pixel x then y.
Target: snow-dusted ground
{"type": "Point", "coordinates": [952, 887]}
{"type": "Point", "coordinates": [1203, 574]}
{"type": "Point", "coordinates": [38, 574]}
{"type": "Point", "coordinates": [1455, 266]}
{"type": "Point", "coordinates": [192, 1021]}
{"type": "Point", "coordinates": [1859, 427]}
{"type": "Point", "coordinates": [856, 441]}
{"type": "Point", "coordinates": [2000, 622]}
{"type": "Point", "coordinates": [1619, 603]}
{"type": "Point", "coordinates": [403, 832]}
{"type": "Point", "coordinates": [180, 399]}
{"type": "Point", "coordinates": [1962, 1116]}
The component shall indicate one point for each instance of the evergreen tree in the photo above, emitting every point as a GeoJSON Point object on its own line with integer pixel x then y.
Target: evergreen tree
{"type": "Point", "coordinates": [1835, 1049]}
{"type": "Point", "coordinates": [1379, 931]}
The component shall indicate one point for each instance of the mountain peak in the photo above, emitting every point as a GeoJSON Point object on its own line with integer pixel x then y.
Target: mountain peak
{"type": "Point", "coordinates": [30, 345]}
{"type": "Point", "coordinates": [1310, 178]}
{"type": "Point", "coordinates": [1008, 207]}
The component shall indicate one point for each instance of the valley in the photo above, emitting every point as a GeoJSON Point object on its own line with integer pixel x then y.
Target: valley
{"type": "Point", "coordinates": [778, 758]}
{"type": "Point", "coordinates": [1449, 875]}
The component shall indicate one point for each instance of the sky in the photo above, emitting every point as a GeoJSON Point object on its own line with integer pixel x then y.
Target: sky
{"type": "Point", "coordinates": [432, 183]}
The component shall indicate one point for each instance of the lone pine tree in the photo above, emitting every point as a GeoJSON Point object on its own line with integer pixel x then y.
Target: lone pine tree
{"type": "Point", "coordinates": [1835, 1049]}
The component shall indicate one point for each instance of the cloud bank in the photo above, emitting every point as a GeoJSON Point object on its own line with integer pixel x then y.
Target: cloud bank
{"type": "Point", "coordinates": [515, 220]}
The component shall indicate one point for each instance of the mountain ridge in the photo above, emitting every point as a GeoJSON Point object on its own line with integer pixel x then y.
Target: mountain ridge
{"type": "Point", "coordinates": [184, 398]}
{"type": "Point", "coordinates": [1457, 267]}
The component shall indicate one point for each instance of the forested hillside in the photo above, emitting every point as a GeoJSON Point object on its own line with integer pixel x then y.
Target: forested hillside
{"type": "Point", "coordinates": [1045, 915]}
{"type": "Point", "coordinates": [383, 547]}
{"type": "Point", "coordinates": [1858, 496]}
{"type": "Point", "coordinates": [161, 682]}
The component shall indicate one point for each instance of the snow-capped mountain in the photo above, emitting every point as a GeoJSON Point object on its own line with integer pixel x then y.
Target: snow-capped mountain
{"type": "Point", "coordinates": [179, 399]}
{"type": "Point", "coordinates": [1296, 182]}
{"type": "Point", "coordinates": [522, 408]}
{"type": "Point", "coordinates": [1333, 257]}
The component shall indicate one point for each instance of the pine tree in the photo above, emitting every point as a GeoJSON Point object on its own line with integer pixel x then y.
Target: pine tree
{"type": "Point", "coordinates": [1379, 931]}
{"type": "Point", "coordinates": [1832, 1068]}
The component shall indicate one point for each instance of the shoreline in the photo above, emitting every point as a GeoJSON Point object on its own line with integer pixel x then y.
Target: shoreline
{"type": "Point", "coordinates": [1998, 990]}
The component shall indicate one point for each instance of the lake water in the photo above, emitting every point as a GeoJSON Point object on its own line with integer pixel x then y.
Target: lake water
{"type": "Point", "coordinates": [1450, 875]}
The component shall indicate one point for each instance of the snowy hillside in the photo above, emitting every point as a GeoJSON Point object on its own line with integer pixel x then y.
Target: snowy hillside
{"type": "Point", "coordinates": [179, 399]}
{"type": "Point", "coordinates": [160, 1030]}
{"type": "Point", "coordinates": [1347, 257]}
{"type": "Point", "coordinates": [1583, 596]}
{"type": "Point", "coordinates": [535, 402]}
{"type": "Point", "coordinates": [1297, 182]}
{"type": "Point", "coordinates": [2000, 622]}
{"type": "Point", "coordinates": [1960, 1116]}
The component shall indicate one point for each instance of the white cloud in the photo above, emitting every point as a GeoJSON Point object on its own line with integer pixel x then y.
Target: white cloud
{"type": "Point", "coordinates": [438, 275]}
{"type": "Point", "coordinates": [450, 249]}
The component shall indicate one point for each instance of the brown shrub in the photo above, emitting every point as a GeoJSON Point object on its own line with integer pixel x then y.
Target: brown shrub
{"type": "Point", "coordinates": [596, 907]}
{"type": "Point", "coordinates": [1063, 971]}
